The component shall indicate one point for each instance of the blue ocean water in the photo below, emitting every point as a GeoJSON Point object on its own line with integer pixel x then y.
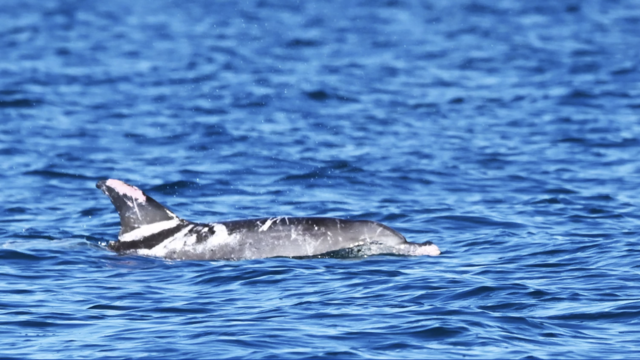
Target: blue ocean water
{"type": "Point", "coordinates": [506, 132]}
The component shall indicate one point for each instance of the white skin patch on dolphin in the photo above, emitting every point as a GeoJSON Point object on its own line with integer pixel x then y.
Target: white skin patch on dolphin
{"type": "Point", "coordinates": [221, 235]}
{"type": "Point", "coordinates": [270, 221]}
{"type": "Point", "coordinates": [149, 229]}
{"type": "Point", "coordinates": [183, 240]}
{"type": "Point", "coordinates": [266, 225]}
{"type": "Point", "coordinates": [173, 243]}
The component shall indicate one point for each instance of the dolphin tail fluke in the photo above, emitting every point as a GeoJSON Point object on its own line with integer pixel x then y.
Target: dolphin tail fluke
{"type": "Point", "coordinates": [136, 209]}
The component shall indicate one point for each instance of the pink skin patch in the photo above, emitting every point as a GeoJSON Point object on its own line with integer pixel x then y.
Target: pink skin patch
{"type": "Point", "coordinates": [126, 189]}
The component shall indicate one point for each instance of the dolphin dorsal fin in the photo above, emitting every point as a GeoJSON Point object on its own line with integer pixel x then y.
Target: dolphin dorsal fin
{"type": "Point", "coordinates": [136, 209]}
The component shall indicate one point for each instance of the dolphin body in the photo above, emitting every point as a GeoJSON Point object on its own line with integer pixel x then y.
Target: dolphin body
{"type": "Point", "coordinates": [150, 229]}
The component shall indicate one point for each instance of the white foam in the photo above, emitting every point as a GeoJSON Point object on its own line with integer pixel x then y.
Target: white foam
{"type": "Point", "coordinates": [431, 250]}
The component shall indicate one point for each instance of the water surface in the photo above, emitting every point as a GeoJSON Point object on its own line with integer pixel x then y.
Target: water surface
{"type": "Point", "coordinates": [505, 132]}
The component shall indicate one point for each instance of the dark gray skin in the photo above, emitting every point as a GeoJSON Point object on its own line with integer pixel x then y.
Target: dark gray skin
{"type": "Point", "coordinates": [148, 228]}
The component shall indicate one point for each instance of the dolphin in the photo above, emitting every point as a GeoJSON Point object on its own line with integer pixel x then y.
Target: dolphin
{"type": "Point", "coordinates": [150, 229]}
